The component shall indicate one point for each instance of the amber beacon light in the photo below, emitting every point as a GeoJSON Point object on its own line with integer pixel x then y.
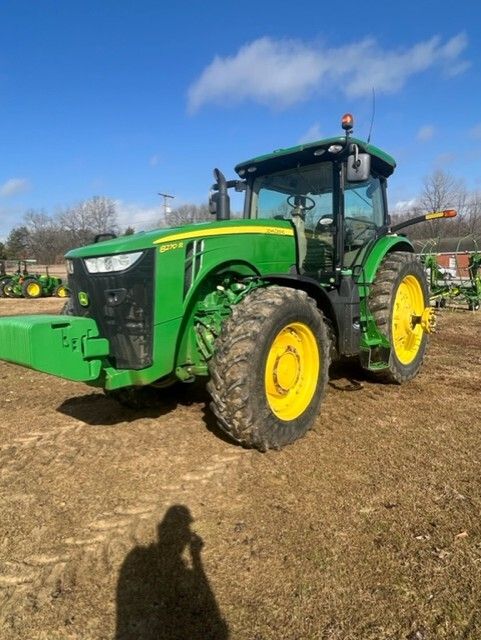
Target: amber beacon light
{"type": "Point", "coordinates": [347, 122]}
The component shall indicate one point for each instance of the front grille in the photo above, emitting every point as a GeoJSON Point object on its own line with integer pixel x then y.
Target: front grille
{"type": "Point", "coordinates": [122, 304]}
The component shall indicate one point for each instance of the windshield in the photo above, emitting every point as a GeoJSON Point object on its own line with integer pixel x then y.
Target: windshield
{"type": "Point", "coordinates": [271, 193]}
{"type": "Point", "coordinates": [303, 196]}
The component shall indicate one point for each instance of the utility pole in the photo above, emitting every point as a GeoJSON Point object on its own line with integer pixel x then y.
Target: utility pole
{"type": "Point", "coordinates": [164, 204]}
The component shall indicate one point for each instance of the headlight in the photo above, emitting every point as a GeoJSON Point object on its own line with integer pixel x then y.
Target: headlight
{"type": "Point", "coordinates": [70, 266]}
{"type": "Point", "coordinates": [108, 264]}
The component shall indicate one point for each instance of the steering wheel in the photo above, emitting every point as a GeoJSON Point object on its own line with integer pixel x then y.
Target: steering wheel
{"type": "Point", "coordinates": [301, 207]}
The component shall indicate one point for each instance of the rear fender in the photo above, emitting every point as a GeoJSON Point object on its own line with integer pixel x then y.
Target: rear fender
{"type": "Point", "coordinates": [365, 274]}
{"type": "Point", "coordinates": [314, 291]}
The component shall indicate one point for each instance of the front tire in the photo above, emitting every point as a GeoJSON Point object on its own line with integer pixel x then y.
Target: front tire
{"type": "Point", "coordinates": [8, 290]}
{"type": "Point", "coordinates": [270, 368]}
{"type": "Point", "coordinates": [61, 291]}
{"type": "Point", "coordinates": [3, 284]}
{"type": "Point", "coordinates": [398, 298]}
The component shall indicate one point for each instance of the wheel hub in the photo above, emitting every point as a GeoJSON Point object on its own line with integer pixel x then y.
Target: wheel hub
{"type": "Point", "coordinates": [292, 370]}
{"type": "Point", "coordinates": [408, 319]}
{"type": "Point", "coordinates": [286, 370]}
{"type": "Point", "coordinates": [33, 289]}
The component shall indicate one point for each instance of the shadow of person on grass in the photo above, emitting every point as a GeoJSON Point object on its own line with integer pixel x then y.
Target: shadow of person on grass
{"type": "Point", "coordinates": [163, 592]}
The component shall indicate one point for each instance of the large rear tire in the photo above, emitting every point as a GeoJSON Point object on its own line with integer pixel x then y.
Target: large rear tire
{"type": "Point", "coordinates": [398, 298]}
{"type": "Point", "coordinates": [270, 368]}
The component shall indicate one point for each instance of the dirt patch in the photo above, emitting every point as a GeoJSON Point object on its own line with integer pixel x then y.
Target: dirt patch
{"type": "Point", "coordinates": [120, 525]}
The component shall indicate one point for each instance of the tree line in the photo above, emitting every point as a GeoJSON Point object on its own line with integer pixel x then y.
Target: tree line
{"type": "Point", "coordinates": [47, 237]}
{"type": "Point", "coordinates": [440, 191]}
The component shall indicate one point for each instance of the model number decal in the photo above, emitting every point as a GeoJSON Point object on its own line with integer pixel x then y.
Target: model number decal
{"type": "Point", "coordinates": [278, 231]}
{"type": "Point", "coordinates": [170, 246]}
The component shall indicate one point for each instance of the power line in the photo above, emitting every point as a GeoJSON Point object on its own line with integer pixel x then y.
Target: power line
{"type": "Point", "coordinates": [164, 204]}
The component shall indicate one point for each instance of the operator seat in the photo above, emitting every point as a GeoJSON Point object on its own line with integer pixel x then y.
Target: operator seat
{"type": "Point", "coordinates": [320, 246]}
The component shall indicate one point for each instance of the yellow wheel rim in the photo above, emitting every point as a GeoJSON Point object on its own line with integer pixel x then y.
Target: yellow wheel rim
{"type": "Point", "coordinates": [407, 332]}
{"type": "Point", "coordinates": [34, 290]}
{"type": "Point", "coordinates": [292, 370]}
{"type": "Point", "coordinates": [62, 292]}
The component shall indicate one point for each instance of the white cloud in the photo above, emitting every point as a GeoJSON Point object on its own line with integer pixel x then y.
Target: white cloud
{"type": "Point", "coordinates": [405, 205]}
{"type": "Point", "coordinates": [280, 73]}
{"type": "Point", "coordinates": [445, 158]}
{"type": "Point", "coordinates": [154, 160]}
{"type": "Point", "coordinates": [14, 186]}
{"type": "Point", "coordinates": [139, 216]}
{"type": "Point", "coordinates": [425, 133]}
{"type": "Point", "coordinates": [312, 134]}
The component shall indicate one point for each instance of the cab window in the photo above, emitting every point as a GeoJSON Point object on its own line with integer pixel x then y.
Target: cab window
{"type": "Point", "coordinates": [304, 196]}
{"type": "Point", "coordinates": [363, 212]}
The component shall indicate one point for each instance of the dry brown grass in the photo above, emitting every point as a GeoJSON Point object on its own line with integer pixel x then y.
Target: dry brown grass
{"type": "Point", "coordinates": [366, 529]}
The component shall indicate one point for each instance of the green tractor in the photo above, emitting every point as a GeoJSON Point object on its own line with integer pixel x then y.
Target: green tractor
{"type": "Point", "coordinates": [259, 306]}
{"type": "Point", "coordinates": [11, 285]}
{"type": "Point", "coordinates": [23, 284]}
{"type": "Point", "coordinates": [4, 276]}
{"type": "Point", "coordinates": [49, 286]}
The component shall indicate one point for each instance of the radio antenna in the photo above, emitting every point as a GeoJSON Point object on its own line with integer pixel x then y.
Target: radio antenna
{"type": "Point", "coordinates": [372, 116]}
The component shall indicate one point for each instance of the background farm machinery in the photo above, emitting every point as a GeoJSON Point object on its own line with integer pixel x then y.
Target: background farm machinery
{"type": "Point", "coordinates": [458, 284]}
{"type": "Point", "coordinates": [21, 283]}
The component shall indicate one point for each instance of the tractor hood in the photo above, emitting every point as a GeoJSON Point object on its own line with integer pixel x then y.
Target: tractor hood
{"type": "Point", "coordinates": [150, 239]}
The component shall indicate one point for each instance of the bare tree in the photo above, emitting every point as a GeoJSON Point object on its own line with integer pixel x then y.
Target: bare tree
{"type": "Point", "coordinates": [101, 214]}
{"type": "Point", "coordinates": [86, 219]}
{"type": "Point", "coordinates": [472, 217]}
{"type": "Point", "coordinates": [443, 191]}
{"type": "Point", "coordinates": [188, 214]}
{"type": "Point", "coordinates": [45, 237]}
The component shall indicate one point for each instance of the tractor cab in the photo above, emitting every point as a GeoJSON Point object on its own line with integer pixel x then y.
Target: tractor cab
{"type": "Point", "coordinates": [334, 193]}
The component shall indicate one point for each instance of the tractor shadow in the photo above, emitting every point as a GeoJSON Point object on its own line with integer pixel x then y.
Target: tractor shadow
{"type": "Point", "coordinates": [100, 410]}
{"type": "Point", "coordinates": [348, 375]}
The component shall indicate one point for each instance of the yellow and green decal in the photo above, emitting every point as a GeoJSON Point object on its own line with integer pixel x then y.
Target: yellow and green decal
{"type": "Point", "coordinates": [175, 241]}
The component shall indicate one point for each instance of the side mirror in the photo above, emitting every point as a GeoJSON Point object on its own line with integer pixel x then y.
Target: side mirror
{"type": "Point", "coordinates": [358, 167]}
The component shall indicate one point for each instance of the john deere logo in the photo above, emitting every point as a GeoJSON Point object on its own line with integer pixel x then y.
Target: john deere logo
{"type": "Point", "coordinates": [83, 299]}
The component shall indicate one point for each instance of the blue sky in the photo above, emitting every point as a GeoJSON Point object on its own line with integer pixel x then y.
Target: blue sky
{"type": "Point", "coordinates": [126, 99]}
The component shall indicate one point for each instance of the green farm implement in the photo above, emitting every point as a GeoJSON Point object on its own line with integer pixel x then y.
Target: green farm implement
{"type": "Point", "coordinates": [458, 287]}
{"type": "Point", "coordinates": [259, 306]}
